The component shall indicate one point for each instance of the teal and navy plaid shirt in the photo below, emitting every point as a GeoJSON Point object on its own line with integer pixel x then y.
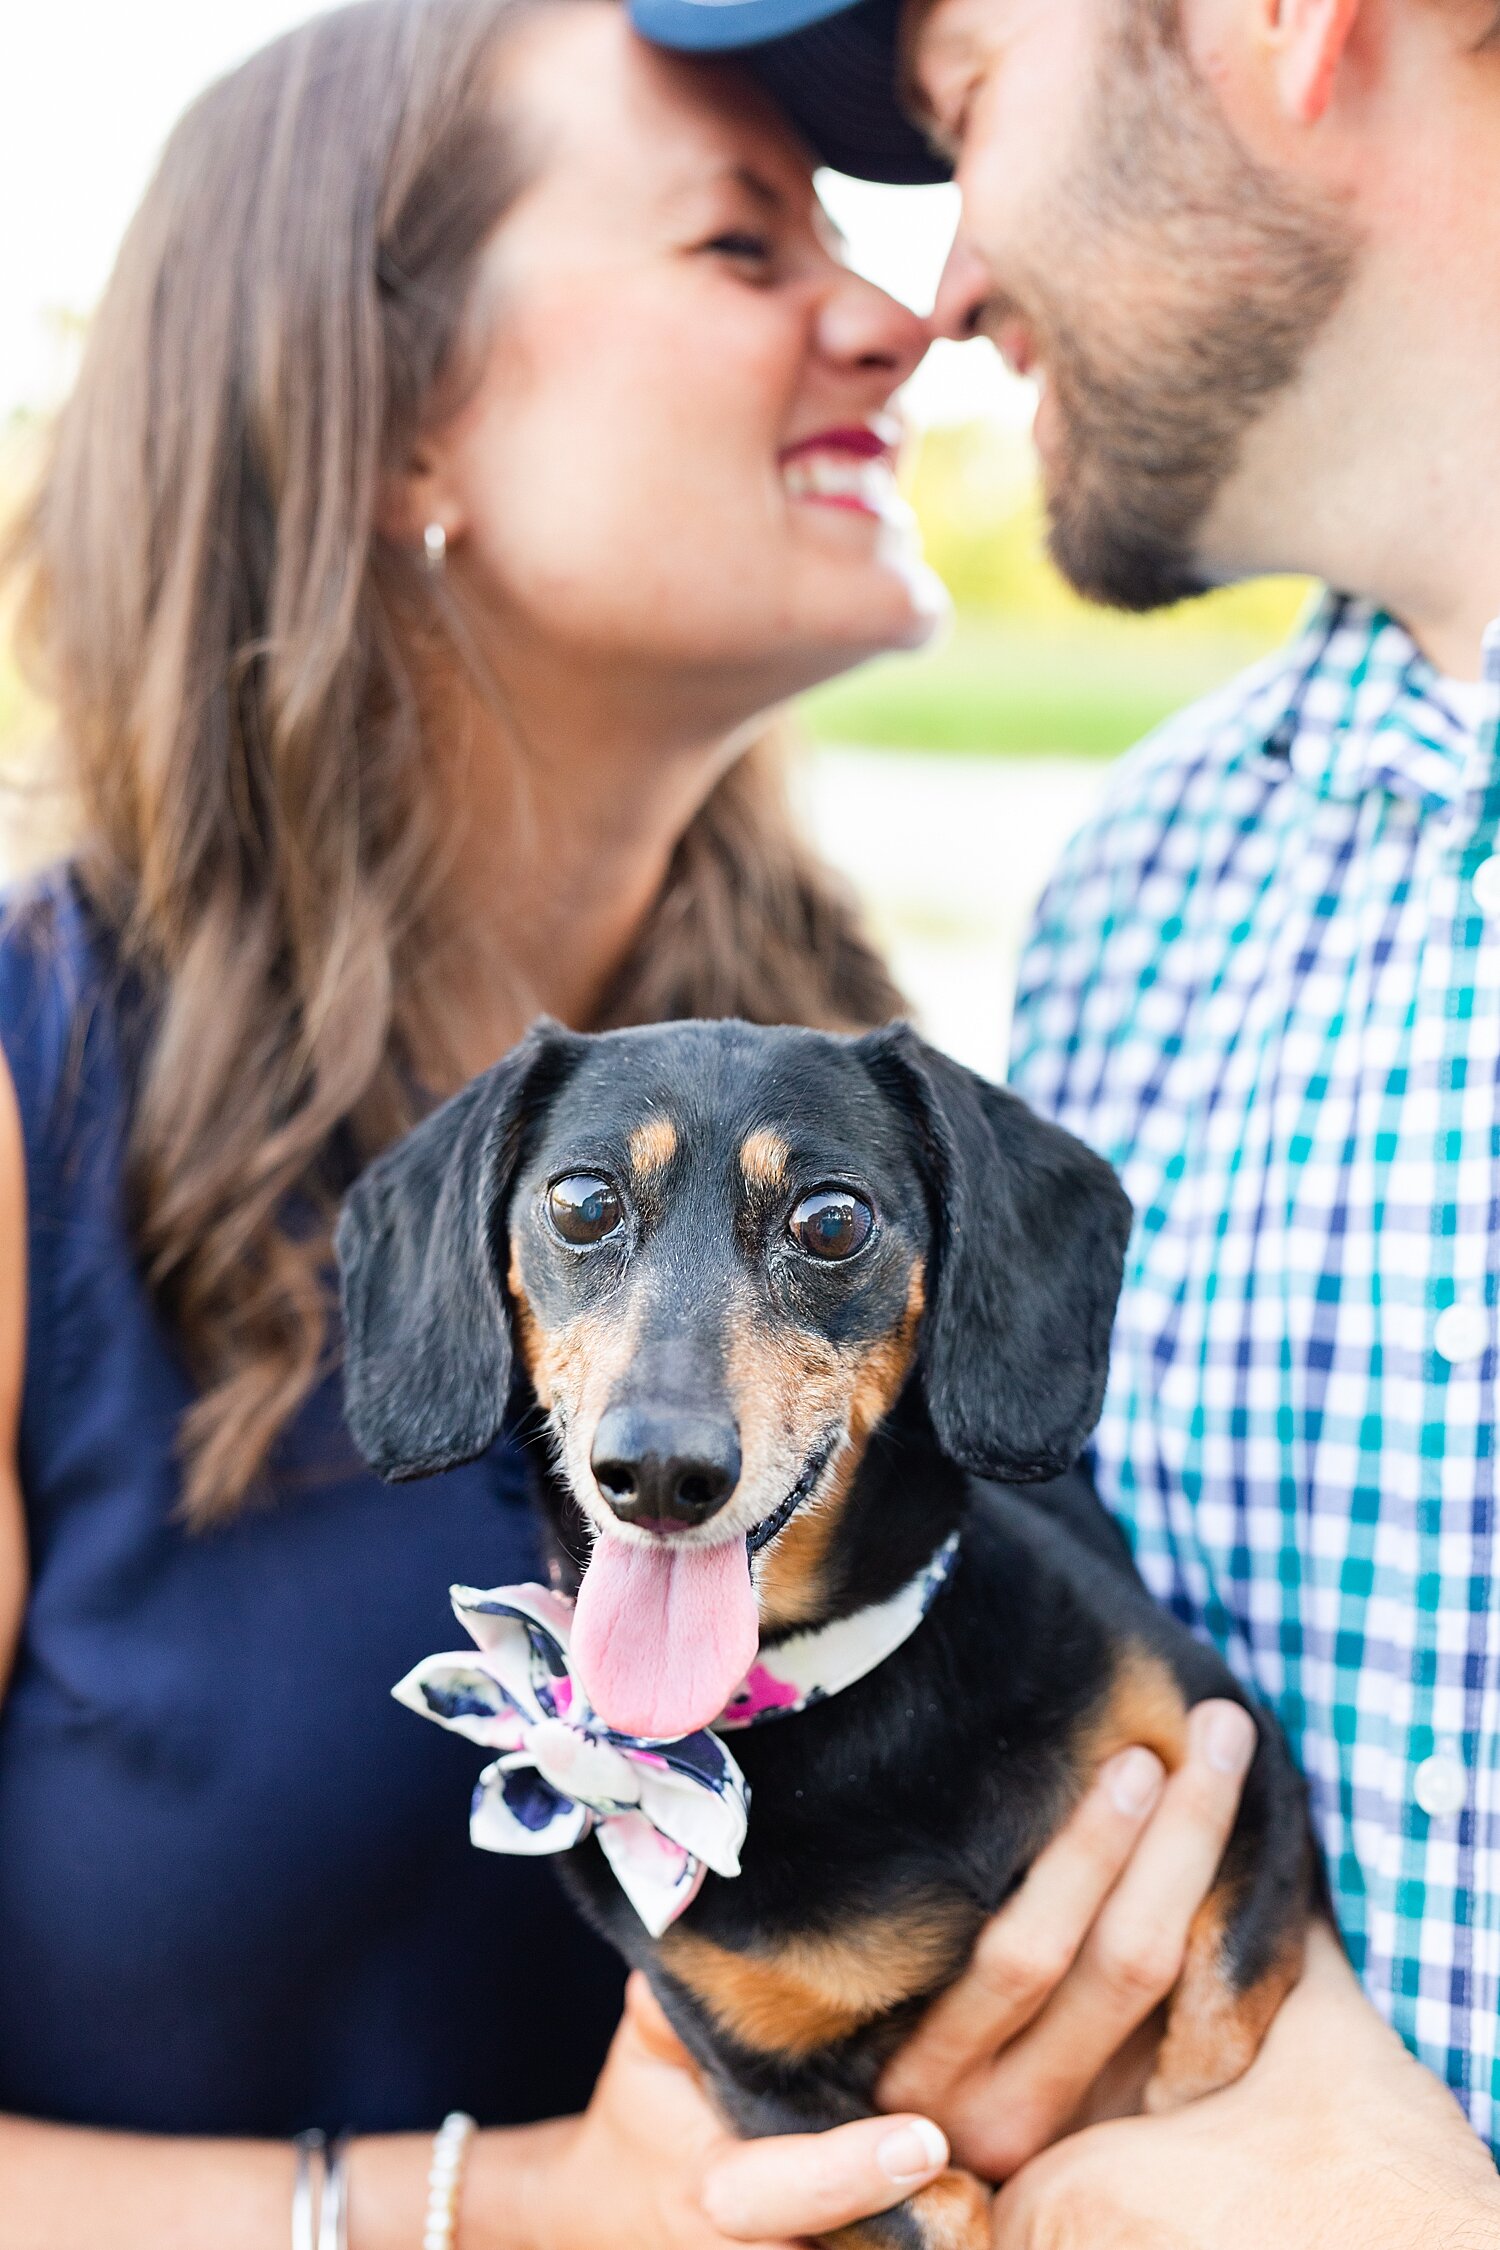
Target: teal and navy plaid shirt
{"type": "Point", "coordinates": [1266, 984]}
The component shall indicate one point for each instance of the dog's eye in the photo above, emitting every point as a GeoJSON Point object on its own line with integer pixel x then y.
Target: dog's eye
{"type": "Point", "coordinates": [831, 1223]}
{"type": "Point", "coordinates": [584, 1209]}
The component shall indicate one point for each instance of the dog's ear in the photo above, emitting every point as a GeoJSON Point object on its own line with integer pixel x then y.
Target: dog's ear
{"type": "Point", "coordinates": [1029, 1235]}
{"type": "Point", "coordinates": [427, 1349]}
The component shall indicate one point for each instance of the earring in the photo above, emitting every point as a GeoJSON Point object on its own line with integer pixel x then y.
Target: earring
{"type": "Point", "coordinates": [434, 546]}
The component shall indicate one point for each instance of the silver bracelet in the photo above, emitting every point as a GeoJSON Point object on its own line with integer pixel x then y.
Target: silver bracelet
{"type": "Point", "coordinates": [445, 2180]}
{"type": "Point", "coordinates": [333, 2216]}
{"type": "Point", "coordinates": [312, 2156]}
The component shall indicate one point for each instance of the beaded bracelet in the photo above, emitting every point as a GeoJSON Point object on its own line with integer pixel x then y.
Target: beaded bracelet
{"type": "Point", "coordinates": [450, 2148]}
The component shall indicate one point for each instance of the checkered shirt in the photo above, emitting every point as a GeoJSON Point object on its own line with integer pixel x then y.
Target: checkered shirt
{"type": "Point", "coordinates": [1266, 984]}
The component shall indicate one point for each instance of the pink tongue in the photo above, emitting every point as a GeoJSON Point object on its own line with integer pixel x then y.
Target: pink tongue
{"type": "Point", "coordinates": [663, 1635]}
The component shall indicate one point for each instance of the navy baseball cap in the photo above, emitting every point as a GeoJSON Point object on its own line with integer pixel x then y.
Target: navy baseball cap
{"type": "Point", "coordinates": [831, 64]}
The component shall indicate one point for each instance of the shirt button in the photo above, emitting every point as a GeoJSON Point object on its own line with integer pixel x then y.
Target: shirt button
{"type": "Point", "coordinates": [1487, 885]}
{"type": "Point", "coordinates": [1440, 1785]}
{"type": "Point", "coordinates": [1460, 1333]}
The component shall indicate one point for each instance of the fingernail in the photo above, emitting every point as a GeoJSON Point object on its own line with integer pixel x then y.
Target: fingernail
{"type": "Point", "coordinates": [1135, 1781]}
{"type": "Point", "coordinates": [1228, 1738]}
{"type": "Point", "coordinates": [913, 2152]}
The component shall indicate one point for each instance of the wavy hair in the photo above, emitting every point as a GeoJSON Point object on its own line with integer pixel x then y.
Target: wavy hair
{"type": "Point", "coordinates": [225, 641]}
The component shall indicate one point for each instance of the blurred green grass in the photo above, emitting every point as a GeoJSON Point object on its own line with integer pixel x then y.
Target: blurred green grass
{"type": "Point", "coordinates": [1049, 690]}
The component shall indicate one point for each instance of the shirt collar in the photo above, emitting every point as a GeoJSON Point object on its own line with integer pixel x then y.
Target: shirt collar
{"type": "Point", "coordinates": [1359, 707]}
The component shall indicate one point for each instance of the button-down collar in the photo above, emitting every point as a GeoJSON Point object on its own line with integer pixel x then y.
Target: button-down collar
{"type": "Point", "coordinates": [1370, 711]}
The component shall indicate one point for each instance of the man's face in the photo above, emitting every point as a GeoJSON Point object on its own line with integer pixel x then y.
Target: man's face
{"type": "Point", "coordinates": [1119, 244]}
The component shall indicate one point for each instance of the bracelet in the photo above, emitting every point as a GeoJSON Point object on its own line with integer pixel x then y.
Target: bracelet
{"type": "Point", "coordinates": [312, 2153]}
{"type": "Point", "coordinates": [333, 2216]}
{"type": "Point", "coordinates": [445, 2180]}
{"type": "Point", "coordinates": [320, 2188]}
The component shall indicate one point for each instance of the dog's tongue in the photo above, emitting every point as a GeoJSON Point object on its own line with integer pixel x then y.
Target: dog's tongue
{"type": "Point", "coordinates": [663, 1634]}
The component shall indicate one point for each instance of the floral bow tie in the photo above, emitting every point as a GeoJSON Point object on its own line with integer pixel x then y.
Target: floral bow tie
{"type": "Point", "coordinates": [665, 1812]}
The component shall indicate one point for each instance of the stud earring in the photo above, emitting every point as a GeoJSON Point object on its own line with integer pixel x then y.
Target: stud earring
{"type": "Point", "coordinates": [434, 546]}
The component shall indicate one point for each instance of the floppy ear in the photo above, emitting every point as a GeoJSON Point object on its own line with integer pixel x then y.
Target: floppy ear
{"type": "Point", "coordinates": [427, 1351]}
{"type": "Point", "coordinates": [1029, 1235]}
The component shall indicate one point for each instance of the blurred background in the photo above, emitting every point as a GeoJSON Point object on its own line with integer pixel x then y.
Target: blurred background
{"type": "Point", "coordinates": [945, 784]}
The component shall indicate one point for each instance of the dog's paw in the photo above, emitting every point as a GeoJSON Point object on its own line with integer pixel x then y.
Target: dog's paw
{"type": "Point", "coordinates": [952, 2214]}
{"type": "Point", "coordinates": [1214, 2024]}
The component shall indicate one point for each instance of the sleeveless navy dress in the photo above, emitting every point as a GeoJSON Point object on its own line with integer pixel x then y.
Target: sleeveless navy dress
{"type": "Point", "coordinates": [236, 1889]}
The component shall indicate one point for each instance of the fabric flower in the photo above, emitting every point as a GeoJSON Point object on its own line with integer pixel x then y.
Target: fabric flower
{"type": "Point", "coordinates": [664, 1813]}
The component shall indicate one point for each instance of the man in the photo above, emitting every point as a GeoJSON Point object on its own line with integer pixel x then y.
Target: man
{"type": "Point", "coordinates": [1251, 250]}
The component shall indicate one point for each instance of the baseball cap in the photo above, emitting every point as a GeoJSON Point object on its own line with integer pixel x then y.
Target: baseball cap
{"type": "Point", "coordinates": [831, 64]}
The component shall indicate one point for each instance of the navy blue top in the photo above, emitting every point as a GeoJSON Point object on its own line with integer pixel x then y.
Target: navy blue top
{"type": "Point", "coordinates": [236, 1889]}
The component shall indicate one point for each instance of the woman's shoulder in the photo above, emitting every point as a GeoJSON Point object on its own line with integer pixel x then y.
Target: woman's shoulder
{"type": "Point", "coordinates": [58, 994]}
{"type": "Point", "coordinates": [50, 939]}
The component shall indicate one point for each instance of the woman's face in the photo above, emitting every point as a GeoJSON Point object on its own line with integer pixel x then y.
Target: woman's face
{"type": "Point", "coordinates": [678, 452]}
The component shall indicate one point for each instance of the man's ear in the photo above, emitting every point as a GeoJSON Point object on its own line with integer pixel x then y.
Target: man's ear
{"type": "Point", "coordinates": [1307, 40]}
{"type": "Point", "coordinates": [427, 1351]}
{"type": "Point", "coordinates": [1029, 1235]}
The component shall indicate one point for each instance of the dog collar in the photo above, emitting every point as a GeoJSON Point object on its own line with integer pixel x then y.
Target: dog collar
{"type": "Point", "coordinates": [809, 1667]}
{"type": "Point", "coordinates": [665, 1813]}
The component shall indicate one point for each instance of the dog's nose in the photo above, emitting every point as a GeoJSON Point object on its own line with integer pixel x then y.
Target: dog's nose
{"type": "Point", "coordinates": [664, 1468]}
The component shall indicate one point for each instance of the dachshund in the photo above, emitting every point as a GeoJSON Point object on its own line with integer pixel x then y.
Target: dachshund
{"type": "Point", "coordinates": [800, 1313]}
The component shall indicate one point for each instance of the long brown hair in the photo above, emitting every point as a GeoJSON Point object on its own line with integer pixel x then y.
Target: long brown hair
{"type": "Point", "coordinates": [208, 609]}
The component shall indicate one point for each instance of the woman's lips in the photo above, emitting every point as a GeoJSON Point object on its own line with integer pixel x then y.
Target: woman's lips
{"type": "Point", "coordinates": [853, 468]}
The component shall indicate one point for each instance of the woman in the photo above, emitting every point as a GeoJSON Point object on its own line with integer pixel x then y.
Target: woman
{"type": "Point", "coordinates": [478, 434]}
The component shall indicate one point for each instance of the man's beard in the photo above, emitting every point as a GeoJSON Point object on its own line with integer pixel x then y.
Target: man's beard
{"type": "Point", "coordinates": [1195, 285]}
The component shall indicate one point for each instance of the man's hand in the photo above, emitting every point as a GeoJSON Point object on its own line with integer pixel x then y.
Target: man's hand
{"type": "Point", "coordinates": [1076, 1964]}
{"type": "Point", "coordinates": [1333, 2140]}
{"type": "Point", "coordinates": [651, 2166]}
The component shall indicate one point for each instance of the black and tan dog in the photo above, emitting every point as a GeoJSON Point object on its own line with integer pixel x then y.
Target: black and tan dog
{"type": "Point", "coordinates": [796, 1299]}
